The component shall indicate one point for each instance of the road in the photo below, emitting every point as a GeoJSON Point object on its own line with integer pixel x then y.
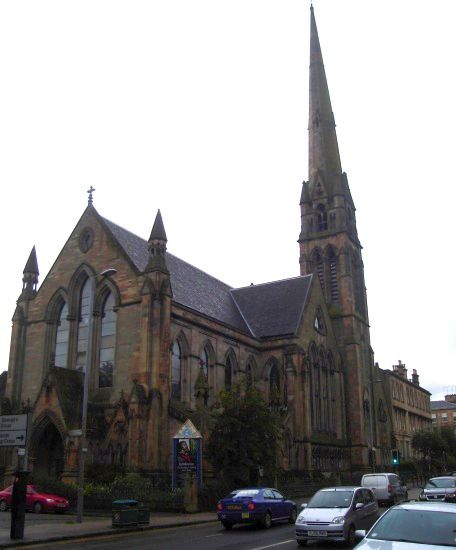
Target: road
{"type": "Point", "coordinates": [201, 537]}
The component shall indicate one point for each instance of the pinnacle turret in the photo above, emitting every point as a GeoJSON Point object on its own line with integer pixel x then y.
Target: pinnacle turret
{"type": "Point", "coordinates": [157, 246]}
{"type": "Point", "coordinates": [30, 277]}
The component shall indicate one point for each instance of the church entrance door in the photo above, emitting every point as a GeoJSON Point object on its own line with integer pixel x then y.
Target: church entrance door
{"type": "Point", "coordinates": [48, 453]}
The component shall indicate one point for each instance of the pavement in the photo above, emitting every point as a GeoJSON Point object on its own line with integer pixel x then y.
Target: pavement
{"type": "Point", "coordinates": [66, 527]}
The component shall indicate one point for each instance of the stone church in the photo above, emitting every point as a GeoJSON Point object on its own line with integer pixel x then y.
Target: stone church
{"type": "Point", "coordinates": [162, 338]}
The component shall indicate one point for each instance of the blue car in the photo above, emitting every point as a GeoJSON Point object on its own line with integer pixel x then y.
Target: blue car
{"type": "Point", "coordinates": [263, 506]}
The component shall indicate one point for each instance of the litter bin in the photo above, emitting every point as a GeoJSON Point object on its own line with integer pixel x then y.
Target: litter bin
{"type": "Point", "coordinates": [124, 512]}
{"type": "Point", "coordinates": [143, 513]}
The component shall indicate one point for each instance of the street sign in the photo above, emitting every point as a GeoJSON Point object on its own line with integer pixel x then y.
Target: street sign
{"type": "Point", "coordinates": [16, 439]}
{"type": "Point", "coordinates": [13, 430]}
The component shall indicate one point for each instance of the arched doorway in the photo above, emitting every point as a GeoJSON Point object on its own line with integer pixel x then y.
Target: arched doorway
{"type": "Point", "coordinates": [48, 455]}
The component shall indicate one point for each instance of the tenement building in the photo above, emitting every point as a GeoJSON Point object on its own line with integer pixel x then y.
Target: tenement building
{"type": "Point", "coordinates": [444, 412]}
{"type": "Point", "coordinates": [409, 406]}
{"type": "Point", "coordinates": [159, 338]}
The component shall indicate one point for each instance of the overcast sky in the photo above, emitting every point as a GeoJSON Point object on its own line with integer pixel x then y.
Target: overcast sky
{"type": "Point", "coordinates": [200, 108]}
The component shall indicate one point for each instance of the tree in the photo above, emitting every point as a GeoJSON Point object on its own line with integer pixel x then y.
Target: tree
{"type": "Point", "coordinates": [245, 436]}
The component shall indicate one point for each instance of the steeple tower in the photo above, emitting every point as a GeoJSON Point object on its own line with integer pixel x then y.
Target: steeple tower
{"type": "Point", "coordinates": [330, 248]}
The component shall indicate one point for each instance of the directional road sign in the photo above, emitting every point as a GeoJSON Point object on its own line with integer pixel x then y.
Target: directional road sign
{"type": "Point", "coordinates": [13, 430]}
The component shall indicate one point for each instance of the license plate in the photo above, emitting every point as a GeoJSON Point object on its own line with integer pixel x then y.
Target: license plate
{"type": "Point", "coordinates": [318, 533]}
{"type": "Point", "coordinates": [234, 507]}
{"type": "Point", "coordinates": [245, 515]}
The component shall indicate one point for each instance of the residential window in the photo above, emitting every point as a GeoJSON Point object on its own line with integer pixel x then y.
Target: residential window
{"type": "Point", "coordinates": [444, 417]}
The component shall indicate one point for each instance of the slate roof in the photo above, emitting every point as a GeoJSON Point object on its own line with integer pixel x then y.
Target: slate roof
{"type": "Point", "coordinates": [270, 309]}
{"type": "Point", "coordinates": [441, 405]}
{"type": "Point", "coordinates": [273, 309]}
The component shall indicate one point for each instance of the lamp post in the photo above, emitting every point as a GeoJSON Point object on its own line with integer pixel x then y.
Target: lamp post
{"type": "Point", "coordinates": [85, 391]}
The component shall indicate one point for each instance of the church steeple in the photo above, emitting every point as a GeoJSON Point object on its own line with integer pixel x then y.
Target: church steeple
{"type": "Point", "coordinates": [30, 277]}
{"type": "Point", "coordinates": [323, 148]}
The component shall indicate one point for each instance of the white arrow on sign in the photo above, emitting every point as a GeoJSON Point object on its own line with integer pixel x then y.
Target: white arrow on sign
{"type": "Point", "coordinates": [17, 438]}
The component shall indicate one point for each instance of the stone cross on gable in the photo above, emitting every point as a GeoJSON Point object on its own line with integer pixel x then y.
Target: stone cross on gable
{"type": "Point", "coordinates": [90, 192]}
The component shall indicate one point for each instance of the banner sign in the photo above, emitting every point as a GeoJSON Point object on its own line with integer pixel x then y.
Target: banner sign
{"type": "Point", "coordinates": [187, 455]}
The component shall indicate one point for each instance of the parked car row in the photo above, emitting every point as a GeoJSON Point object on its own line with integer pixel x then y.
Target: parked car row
{"type": "Point", "coordinates": [351, 514]}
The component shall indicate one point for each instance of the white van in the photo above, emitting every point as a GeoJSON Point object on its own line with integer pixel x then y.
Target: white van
{"type": "Point", "coordinates": [388, 488]}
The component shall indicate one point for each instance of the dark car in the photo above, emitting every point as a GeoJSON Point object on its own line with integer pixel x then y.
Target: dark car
{"type": "Point", "coordinates": [263, 506]}
{"type": "Point", "coordinates": [35, 500]}
{"type": "Point", "coordinates": [440, 488]}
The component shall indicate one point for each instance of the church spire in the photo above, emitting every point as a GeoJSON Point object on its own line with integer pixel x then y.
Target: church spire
{"type": "Point", "coordinates": [324, 159]}
{"type": "Point", "coordinates": [30, 277]}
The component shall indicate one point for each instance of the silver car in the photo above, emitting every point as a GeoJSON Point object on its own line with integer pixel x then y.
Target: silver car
{"type": "Point", "coordinates": [333, 514]}
{"type": "Point", "coordinates": [440, 488]}
{"type": "Point", "coordinates": [412, 526]}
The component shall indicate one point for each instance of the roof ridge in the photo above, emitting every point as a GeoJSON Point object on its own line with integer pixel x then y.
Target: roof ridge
{"type": "Point", "coordinates": [274, 282]}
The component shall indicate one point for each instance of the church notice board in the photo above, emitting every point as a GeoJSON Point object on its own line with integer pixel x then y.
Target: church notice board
{"type": "Point", "coordinates": [187, 455]}
{"type": "Point", "coordinates": [13, 430]}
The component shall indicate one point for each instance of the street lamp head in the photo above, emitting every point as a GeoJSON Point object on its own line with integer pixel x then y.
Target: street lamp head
{"type": "Point", "coordinates": [107, 272]}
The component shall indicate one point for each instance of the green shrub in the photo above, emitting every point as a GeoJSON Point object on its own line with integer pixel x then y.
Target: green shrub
{"type": "Point", "coordinates": [103, 474]}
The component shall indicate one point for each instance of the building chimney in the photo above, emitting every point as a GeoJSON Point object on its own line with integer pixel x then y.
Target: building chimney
{"type": "Point", "coordinates": [415, 378]}
{"type": "Point", "coordinates": [400, 369]}
{"type": "Point", "coordinates": [451, 398]}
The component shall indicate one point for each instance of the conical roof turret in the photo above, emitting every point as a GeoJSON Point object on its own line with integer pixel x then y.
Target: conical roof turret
{"type": "Point", "coordinates": [157, 246]}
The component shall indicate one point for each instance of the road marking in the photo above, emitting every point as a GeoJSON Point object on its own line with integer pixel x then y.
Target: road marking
{"type": "Point", "coordinates": [216, 535]}
{"type": "Point", "coordinates": [272, 545]}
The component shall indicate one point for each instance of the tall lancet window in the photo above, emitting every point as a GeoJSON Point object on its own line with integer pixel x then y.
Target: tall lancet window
{"type": "Point", "coordinates": [83, 326]}
{"type": "Point", "coordinates": [176, 371]}
{"type": "Point", "coordinates": [108, 343]}
{"type": "Point", "coordinates": [274, 386]}
{"type": "Point", "coordinates": [333, 284]}
{"type": "Point", "coordinates": [228, 374]}
{"type": "Point", "coordinates": [204, 362]}
{"type": "Point", "coordinates": [318, 268]}
{"type": "Point", "coordinates": [61, 338]}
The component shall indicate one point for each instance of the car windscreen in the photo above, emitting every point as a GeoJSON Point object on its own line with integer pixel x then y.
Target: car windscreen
{"type": "Point", "coordinates": [331, 499]}
{"type": "Point", "coordinates": [244, 493]}
{"type": "Point", "coordinates": [440, 483]}
{"type": "Point", "coordinates": [415, 526]}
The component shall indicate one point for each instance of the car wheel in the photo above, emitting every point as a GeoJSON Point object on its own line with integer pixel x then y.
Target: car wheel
{"type": "Point", "coordinates": [267, 520]}
{"type": "Point", "coordinates": [3, 506]}
{"type": "Point", "coordinates": [351, 536]}
{"type": "Point", "coordinates": [302, 542]}
{"type": "Point", "coordinates": [227, 525]}
{"type": "Point", "coordinates": [293, 515]}
{"type": "Point", "coordinates": [37, 507]}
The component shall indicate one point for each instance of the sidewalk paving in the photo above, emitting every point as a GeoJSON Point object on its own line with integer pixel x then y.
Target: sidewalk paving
{"type": "Point", "coordinates": [68, 528]}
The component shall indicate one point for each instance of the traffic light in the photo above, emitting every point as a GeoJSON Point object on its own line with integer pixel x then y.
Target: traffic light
{"type": "Point", "coordinates": [395, 457]}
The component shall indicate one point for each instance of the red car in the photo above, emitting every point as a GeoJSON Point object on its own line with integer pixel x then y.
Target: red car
{"type": "Point", "coordinates": [36, 500]}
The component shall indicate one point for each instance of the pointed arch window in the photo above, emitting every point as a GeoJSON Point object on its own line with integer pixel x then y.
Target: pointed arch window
{"type": "Point", "coordinates": [107, 343]}
{"type": "Point", "coordinates": [204, 362]}
{"type": "Point", "coordinates": [228, 374]}
{"type": "Point", "coordinates": [249, 375]}
{"type": "Point", "coordinates": [62, 338]}
{"type": "Point", "coordinates": [322, 217]}
{"type": "Point", "coordinates": [176, 371]}
{"type": "Point", "coordinates": [83, 326]}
